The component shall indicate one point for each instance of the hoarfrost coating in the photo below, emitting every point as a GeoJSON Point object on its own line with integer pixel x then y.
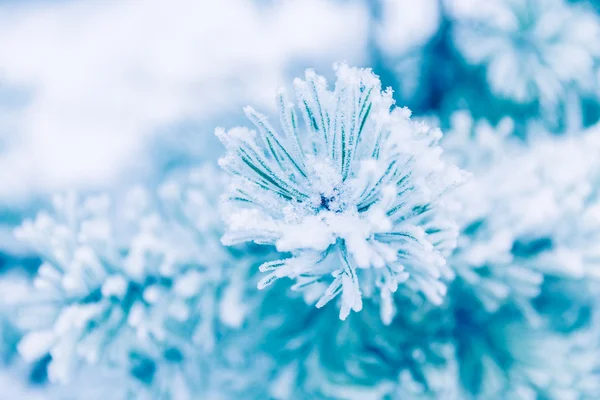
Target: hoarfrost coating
{"type": "Point", "coordinates": [141, 284]}
{"type": "Point", "coordinates": [354, 191]}
{"type": "Point", "coordinates": [533, 51]}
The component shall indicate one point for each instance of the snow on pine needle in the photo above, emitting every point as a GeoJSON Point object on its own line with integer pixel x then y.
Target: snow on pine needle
{"type": "Point", "coordinates": [354, 191]}
{"type": "Point", "coordinates": [138, 283]}
{"type": "Point", "coordinates": [533, 51]}
{"type": "Point", "coordinates": [526, 217]}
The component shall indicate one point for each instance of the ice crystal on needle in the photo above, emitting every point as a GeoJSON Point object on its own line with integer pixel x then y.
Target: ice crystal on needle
{"type": "Point", "coordinates": [140, 284]}
{"type": "Point", "coordinates": [532, 50]}
{"type": "Point", "coordinates": [354, 192]}
{"type": "Point", "coordinates": [519, 229]}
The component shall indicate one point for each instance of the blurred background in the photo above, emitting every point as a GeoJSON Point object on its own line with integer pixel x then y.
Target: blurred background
{"type": "Point", "coordinates": [99, 95]}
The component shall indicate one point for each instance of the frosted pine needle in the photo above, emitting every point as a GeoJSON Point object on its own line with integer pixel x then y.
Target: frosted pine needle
{"type": "Point", "coordinates": [353, 190]}
{"type": "Point", "coordinates": [141, 284]}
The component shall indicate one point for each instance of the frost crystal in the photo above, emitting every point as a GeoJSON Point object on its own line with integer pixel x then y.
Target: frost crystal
{"type": "Point", "coordinates": [355, 192]}
{"type": "Point", "coordinates": [522, 218]}
{"type": "Point", "coordinates": [533, 50]}
{"type": "Point", "coordinates": [141, 284]}
{"type": "Point", "coordinates": [525, 261]}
